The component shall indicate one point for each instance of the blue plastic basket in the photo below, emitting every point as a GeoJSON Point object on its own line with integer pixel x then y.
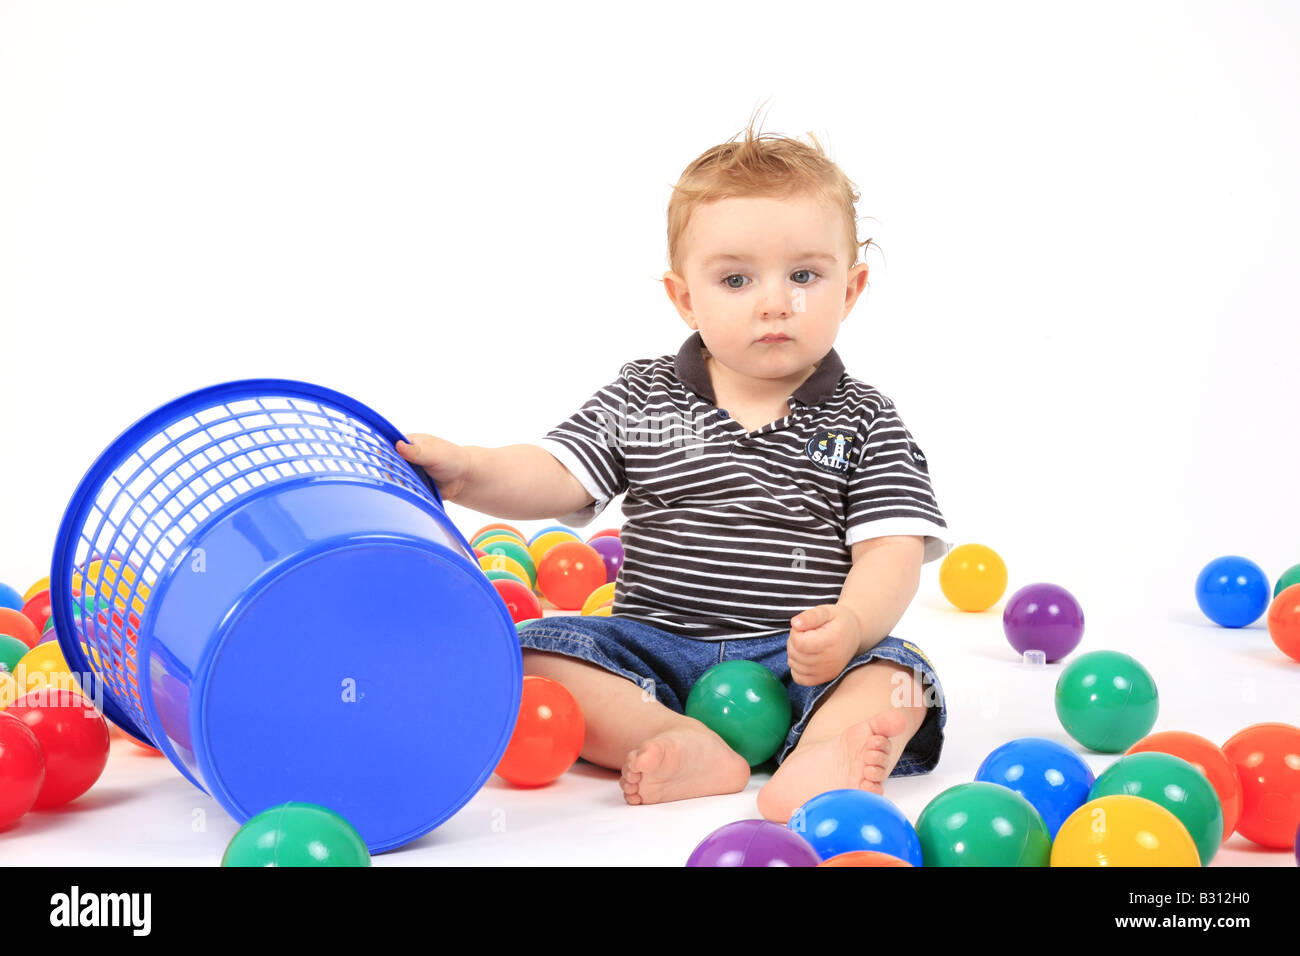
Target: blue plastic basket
{"type": "Point", "coordinates": [253, 581]}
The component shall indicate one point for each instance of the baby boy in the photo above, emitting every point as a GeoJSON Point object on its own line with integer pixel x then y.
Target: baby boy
{"type": "Point", "coordinates": [777, 509]}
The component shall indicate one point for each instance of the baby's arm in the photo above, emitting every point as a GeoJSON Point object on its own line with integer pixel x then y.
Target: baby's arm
{"type": "Point", "coordinates": [515, 481]}
{"type": "Point", "coordinates": [884, 578]}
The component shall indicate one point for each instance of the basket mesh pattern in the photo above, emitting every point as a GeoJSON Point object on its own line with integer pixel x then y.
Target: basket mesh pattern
{"type": "Point", "coordinates": [160, 494]}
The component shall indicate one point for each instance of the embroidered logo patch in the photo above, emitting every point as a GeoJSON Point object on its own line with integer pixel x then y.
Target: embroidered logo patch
{"type": "Point", "coordinates": [831, 451]}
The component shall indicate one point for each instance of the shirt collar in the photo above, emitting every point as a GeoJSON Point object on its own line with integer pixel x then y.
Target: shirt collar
{"type": "Point", "coordinates": [695, 375]}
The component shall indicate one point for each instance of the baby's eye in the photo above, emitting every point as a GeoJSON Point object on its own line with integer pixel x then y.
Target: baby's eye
{"type": "Point", "coordinates": [807, 272]}
{"type": "Point", "coordinates": [729, 284]}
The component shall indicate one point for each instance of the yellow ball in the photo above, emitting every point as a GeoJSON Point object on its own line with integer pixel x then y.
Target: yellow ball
{"type": "Point", "coordinates": [973, 577]}
{"type": "Point", "coordinates": [42, 585]}
{"type": "Point", "coordinates": [43, 668]}
{"type": "Point", "coordinates": [547, 541]}
{"type": "Point", "coordinates": [1123, 830]}
{"type": "Point", "coordinates": [598, 597]}
{"type": "Point", "coordinates": [605, 610]}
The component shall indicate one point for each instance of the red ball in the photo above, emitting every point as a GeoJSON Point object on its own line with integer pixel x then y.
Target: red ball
{"type": "Point", "coordinates": [521, 602]}
{"type": "Point", "coordinates": [22, 768]}
{"type": "Point", "coordinates": [73, 736]}
{"type": "Point", "coordinates": [37, 610]}
{"type": "Point", "coordinates": [568, 574]}
{"type": "Point", "coordinates": [1284, 621]}
{"type": "Point", "coordinates": [1268, 760]}
{"type": "Point", "coordinates": [548, 736]}
{"type": "Point", "coordinates": [608, 532]}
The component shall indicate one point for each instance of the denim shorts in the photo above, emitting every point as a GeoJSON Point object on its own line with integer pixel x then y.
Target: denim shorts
{"type": "Point", "coordinates": [670, 664]}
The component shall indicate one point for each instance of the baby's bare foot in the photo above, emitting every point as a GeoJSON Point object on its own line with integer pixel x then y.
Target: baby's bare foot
{"type": "Point", "coordinates": [857, 759]}
{"type": "Point", "coordinates": [677, 764]}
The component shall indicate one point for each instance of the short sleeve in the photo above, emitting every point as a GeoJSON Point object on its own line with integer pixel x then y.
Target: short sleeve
{"type": "Point", "coordinates": [889, 490]}
{"type": "Point", "coordinates": [589, 445]}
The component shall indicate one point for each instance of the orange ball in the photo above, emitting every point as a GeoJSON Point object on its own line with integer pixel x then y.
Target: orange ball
{"type": "Point", "coordinates": [15, 624]}
{"type": "Point", "coordinates": [1209, 760]}
{"type": "Point", "coordinates": [548, 736]}
{"type": "Point", "coordinates": [1268, 759]}
{"type": "Point", "coordinates": [569, 572]}
{"type": "Point", "coordinates": [863, 858]}
{"type": "Point", "coordinates": [1284, 621]}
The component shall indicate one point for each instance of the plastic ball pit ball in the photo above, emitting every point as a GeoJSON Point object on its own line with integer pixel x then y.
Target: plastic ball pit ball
{"type": "Point", "coordinates": [297, 834]}
{"type": "Point", "coordinates": [22, 769]}
{"type": "Point", "coordinates": [1043, 617]}
{"type": "Point", "coordinates": [1209, 760]}
{"type": "Point", "coordinates": [1284, 622]}
{"type": "Point", "coordinates": [37, 609]}
{"type": "Point", "coordinates": [548, 736]}
{"type": "Point", "coordinates": [515, 550]}
{"type": "Point", "coordinates": [746, 705]}
{"type": "Point", "coordinates": [1232, 591]}
{"type": "Point", "coordinates": [610, 549]}
{"type": "Point", "coordinates": [1289, 577]}
{"type": "Point", "coordinates": [1106, 701]}
{"type": "Point", "coordinates": [542, 542]}
{"type": "Point", "coordinates": [12, 651]}
{"type": "Point", "coordinates": [73, 738]}
{"type": "Point", "coordinates": [860, 858]}
{"type": "Point", "coordinates": [973, 577]}
{"type": "Point", "coordinates": [9, 598]}
{"type": "Point", "coordinates": [1123, 830]}
{"type": "Point", "coordinates": [519, 599]}
{"type": "Point", "coordinates": [1054, 779]}
{"type": "Point", "coordinates": [982, 824]}
{"type": "Point", "coordinates": [1174, 784]}
{"type": "Point", "coordinates": [844, 821]}
{"type": "Point", "coordinates": [15, 624]}
{"type": "Point", "coordinates": [569, 572]}
{"type": "Point", "coordinates": [1267, 757]}
{"type": "Point", "coordinates": [753, 843]}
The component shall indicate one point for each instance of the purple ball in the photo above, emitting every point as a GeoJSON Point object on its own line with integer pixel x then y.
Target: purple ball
{"type": "Point", "coordinates": [754, 843]}
{"type": "Point", "coordinates": [611, 549]}
{"type": "Point", "coordinates": [1043, 617]}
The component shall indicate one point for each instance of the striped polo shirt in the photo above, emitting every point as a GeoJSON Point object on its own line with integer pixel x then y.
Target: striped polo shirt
{"type": "Point", "coordinates": [731, 533]}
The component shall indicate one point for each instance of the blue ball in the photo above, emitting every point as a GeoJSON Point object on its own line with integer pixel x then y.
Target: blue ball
{"type": "Point", "coordinates": [1053, 778]}
{"type": "Point", "coordinates": [10, 598]}
{"type": "Point", "coordinates": [1232, 591]}
{"type": "Point", "coordinates": [841, 821]}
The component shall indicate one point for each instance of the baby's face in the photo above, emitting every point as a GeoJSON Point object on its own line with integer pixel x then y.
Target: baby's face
{"type": "Point", "coordinates": [761, 266]}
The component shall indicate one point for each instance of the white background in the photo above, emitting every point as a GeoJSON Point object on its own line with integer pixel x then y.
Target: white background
{"type": "Point", "coordinates": [1083, 301]}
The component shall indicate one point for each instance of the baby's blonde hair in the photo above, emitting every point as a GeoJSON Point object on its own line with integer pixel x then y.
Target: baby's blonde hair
{"type": "Point", "coordinates": [764, 165]}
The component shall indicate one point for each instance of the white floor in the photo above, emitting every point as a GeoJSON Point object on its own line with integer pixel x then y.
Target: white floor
{"type": "Point", "coordinates": [1212, 682]}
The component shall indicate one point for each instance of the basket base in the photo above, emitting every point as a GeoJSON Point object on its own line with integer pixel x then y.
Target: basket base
{"type": "Point", "coordinates": [381, 680]}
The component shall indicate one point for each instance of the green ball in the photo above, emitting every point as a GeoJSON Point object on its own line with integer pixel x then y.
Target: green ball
{"type": "Point", "coordinates": [1289, 577]}
{"type": "Point", "coordinates": [297, 834]}
{"type": "Point", "coordinates": [744, 704]}
{"type": "Point", "coordinates": [12, 651]}
{"type": "Point", "coordinates": [1106, 701]}
{"type": "Point", "coordinates": [983, 824]}
{"type": "Point", "coordinates": [1177, 786]}
{"type": "Point", "coordinates": [517, 551]}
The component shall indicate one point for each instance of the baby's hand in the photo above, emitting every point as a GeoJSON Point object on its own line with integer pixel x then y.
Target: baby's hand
{"type": "Point", "coordinates": [822, 641]}
{"type": "Point", "coordinates": [446, 462]}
